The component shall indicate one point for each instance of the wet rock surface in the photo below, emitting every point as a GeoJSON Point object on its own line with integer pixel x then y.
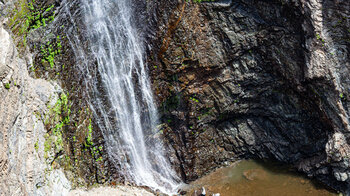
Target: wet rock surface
{"type": "Point", "coordinates": [263, 79]}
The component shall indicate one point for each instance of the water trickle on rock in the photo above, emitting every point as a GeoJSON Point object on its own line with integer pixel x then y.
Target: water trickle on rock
{"type": "Point", "coordinates": [121, 99]}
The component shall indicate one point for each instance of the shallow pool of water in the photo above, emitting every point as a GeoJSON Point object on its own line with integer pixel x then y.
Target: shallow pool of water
{"type": "Point", "coordinates": [255, 178]}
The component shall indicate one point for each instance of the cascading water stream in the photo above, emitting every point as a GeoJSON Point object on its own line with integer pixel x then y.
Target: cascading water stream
{"type": "Point", "coordinates": [121, 99]}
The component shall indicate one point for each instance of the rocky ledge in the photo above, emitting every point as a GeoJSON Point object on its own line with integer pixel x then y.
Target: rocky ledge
{"type": "Point", "coordinates": [119, 190]}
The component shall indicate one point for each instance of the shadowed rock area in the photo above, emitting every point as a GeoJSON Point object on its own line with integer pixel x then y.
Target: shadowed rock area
{"type": "Point", "coordinates": [255, 79]}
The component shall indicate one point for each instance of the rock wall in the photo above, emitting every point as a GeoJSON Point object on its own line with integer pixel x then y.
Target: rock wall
{"type": "Point", "coordinates": [254, 79]}
{"type": "Point", "coordinates": [24, 102]}
{"type": "Point", "coordinates": [234, 79]}
{"type": "Point", "coordinates": [71, 140]}
{"type": "Point", "coordinates": [48, 129]}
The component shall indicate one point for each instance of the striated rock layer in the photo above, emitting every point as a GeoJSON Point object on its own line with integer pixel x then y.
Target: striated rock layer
{"type": "Point", "coordinates": [24, 101]}
{"type": "Point", "coordinates": [254, 79]}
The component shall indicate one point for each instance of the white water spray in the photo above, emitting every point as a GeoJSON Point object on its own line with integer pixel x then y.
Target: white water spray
{"type": "Point", "coordinates": [122, 96]}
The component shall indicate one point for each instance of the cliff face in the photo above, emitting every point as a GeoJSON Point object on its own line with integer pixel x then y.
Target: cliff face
{"type": "Point", "coordinates": [234, 79]}
{"type": "Point", "coordinates": [255, 79]}
{"type": "Point", "coordinates": [24, 100]}
{"type": "Point", "coordinates": [44, 121]}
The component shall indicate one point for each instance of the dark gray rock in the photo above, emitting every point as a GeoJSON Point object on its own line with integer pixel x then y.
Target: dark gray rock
{"type": "Point", "coordinates": [255, 79]}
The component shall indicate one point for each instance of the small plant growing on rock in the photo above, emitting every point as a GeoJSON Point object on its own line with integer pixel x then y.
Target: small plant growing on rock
{"type": "Point", "coordinates": [194, 99]}
{"type": "Point", "coordinates": [7, 85]}
{"type": "Point", "coordinates": [36, 145]}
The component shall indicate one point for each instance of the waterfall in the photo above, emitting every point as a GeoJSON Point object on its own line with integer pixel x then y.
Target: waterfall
{"type": "Point", "coordinates": [121, 95]}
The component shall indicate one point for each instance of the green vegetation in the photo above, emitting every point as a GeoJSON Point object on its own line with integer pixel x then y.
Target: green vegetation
{"type": "Point", "coordinates": [36, 145]}
{"type": "Point", "coordinates": [27, 15]}
{"type": "Point", "coordinates": [46, 63]}
{"type": "Point", "coordinates": [96, 153]}
{"type": "Point", "coordinates": [56, 119]}
{"type": "Point", "coordinates": [89, 144]}
{"type": "Point", "coordinates": [37, 17]}
{"type": "Point", "coordinates": [194, 99]}
{"type": "Point", "coordinates": [47, 145]}
{"type": "Point", "coordinates": [89, 137]}
{"type": "Point", "coordinates": [318, 37]}
{"type": "Point", "coordinates": [7, 85]}
{"type": "Point", "coordinates": [50, 51]}
{"type": "Point", "coordinates": [69, 141]}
